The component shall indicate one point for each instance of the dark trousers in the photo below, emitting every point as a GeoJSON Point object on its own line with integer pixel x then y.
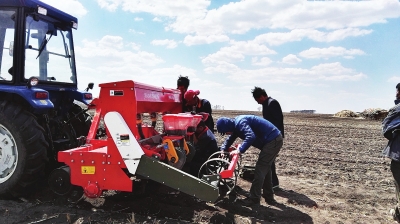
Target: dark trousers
{"type": "Point", "coordinates": [275, 180]}
{"type": "Point", "coordinates": [395, 168]}
{"type": "Point", "coordinates": [262, 173]}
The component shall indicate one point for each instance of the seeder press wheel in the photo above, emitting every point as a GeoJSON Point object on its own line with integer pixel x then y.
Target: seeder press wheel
{"type": "Point", "coordinates": [216, 163]}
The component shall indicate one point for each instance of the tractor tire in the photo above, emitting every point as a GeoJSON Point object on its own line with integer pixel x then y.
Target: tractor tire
{"type": "Point", "coordinates": [23, 151]}
{"type": "Point", "coordinates": [81, 121]}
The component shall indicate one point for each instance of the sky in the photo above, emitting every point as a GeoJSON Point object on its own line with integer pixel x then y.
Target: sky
{"type": "Point", "coordinates": [325, 56]}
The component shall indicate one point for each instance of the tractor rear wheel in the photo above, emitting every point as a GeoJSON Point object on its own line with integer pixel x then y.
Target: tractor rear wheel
{"type": "Point", "coordinates": [80, 120]}
{"type": "Point", "coordinates": [22, 150]}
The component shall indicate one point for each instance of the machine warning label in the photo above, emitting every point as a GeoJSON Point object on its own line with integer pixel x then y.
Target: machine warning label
{"type": "Point", "coordinates": [88, 169]}
{"type": "Point", "coordinates": [124, 139]}
{"type": "Point", "coordinates": [116, 92]}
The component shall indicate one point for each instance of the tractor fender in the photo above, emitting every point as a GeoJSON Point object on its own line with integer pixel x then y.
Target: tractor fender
{"type": "Point", "coordinates": [29, 96]}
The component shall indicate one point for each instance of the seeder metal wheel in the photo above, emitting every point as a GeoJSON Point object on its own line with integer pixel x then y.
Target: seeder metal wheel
{"type": "Point", "coordinates": [181, 158]}
{"type": "Point", "coordinates": [217, 163]}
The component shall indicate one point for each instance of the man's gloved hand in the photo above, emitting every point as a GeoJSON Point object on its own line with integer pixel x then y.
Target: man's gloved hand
{"type": "Point", "coordinates": [234, 152]}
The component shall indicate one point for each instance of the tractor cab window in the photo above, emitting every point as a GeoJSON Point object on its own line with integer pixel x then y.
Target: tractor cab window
{"type": "Point", "coordinates": [7, 25]}
{"type": "Point", "coordinates": [49, 52]}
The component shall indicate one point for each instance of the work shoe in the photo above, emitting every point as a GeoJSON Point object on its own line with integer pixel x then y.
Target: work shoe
{"type": "Point", "coordinates": [276, 188]}
{"type": "Point", "coordinates": [249, 202]}
{"type": "Point", "coordinates": [394, 212]}
{"type": "Point", "coordinates": [242, 191]}
{"type": "Point", "coordinates": [269, 199]}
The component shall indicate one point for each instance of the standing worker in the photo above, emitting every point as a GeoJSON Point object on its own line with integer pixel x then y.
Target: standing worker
{"type": "Point", "coordinates": [271, 111]}
{"type": "Point", "coordinates": [391, 131]}
{"type": "Point", "coordinates": [197, 105]}
{"type": "Point", "coordinates": [262, 134]}
{"type": "Point", "coordinates": [183, 85]}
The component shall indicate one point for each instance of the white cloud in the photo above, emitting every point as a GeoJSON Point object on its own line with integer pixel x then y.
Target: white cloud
{"type": "Point", "coordinates": [110, 59]}
{"type": "Point", "coordinates": [169, 43]}
{"type": "Point", "coordinates": [134, 46]}
{"type": "Point", "coordinates": [273, 38]}
{"type": "Point", "coordinates": [156, 19]}
{"type": "Point", "coordinates": [291, 14]}
{"type": "Point", "coordinates": [348, 57]}
{"type": "Point", "coordinates": [72, 7]}
{"type": "Point", "coordinates": [110, 52]}
{"type": "Point", "coordinates": [196, 40]}
{"type": "Point", "coordinates": [336, 72]}
{"type": "Point", "coordinates": [337, 14]}
{"type": "Point", "coordinates": [339, 34]}
{"type": "Point", "coordinates": [305, 84]}
{"type": "Point", "coordinates": [138, 19]}
{"type": "Point", "coordinates": [316, 74]}
{"type": "Point", "coordinates": [237, 52]}
{"type": "Point", "coordinates": [110, 5]}
{"type": "Point", "coordinates": [394, 79]}
{"type": "Point", "coordinates": [222, 67]}
{"type": "Point", "coordinates": [136, 32]}
{"type": "Point", "coordinates": [307, 19]}
{"type": "Point", "coordinates": [264, 61]}
{"type": "Point", "coordinates": [111, 42]}
{"type": "Point", "coordinates": [331, 52]}
{"type": "Point", "coordinates": [291, 59]}
{"type": "Point", "coordinates": [173, 72]}
{"type": "Point", "coordinates": [174, 9]}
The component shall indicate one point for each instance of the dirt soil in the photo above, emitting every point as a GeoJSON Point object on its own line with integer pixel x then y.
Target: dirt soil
{"type": "Point", "coordinates": [330, 169]}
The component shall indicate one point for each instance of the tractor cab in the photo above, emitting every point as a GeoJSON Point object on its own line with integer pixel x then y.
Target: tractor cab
{"type": "Point", "coordinates": [37, 42]}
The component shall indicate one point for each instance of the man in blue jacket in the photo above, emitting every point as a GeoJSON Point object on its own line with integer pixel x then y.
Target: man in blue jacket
{"type": "Point", "coordinates": [391, 131]}
{"type": "Point", "coordinates": [262, 134]}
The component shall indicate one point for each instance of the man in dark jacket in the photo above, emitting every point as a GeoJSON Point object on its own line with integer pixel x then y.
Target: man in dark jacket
{"type": "Point", "coordinates": [197, 105]}
{"type": "Point", "coordinates": [271, 110]}
{"type": "Point", "coordinates": [205, 145]}
{"type": "Point", "coordinates": [262, 134]}
{"type": "Point", "coordinates": [391, 130]}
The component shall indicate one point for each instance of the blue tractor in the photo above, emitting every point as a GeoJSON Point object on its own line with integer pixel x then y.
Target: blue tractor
{"type": "Point", "coordinates": [40, 104]}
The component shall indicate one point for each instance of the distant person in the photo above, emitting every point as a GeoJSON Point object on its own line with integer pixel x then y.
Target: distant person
{"type": "Point", "coordinates": [197, 105]}
{"type": "Point", "coordinates": [205, 145]}
{"type": "Point", "coordinates": [397, 100]}
{"type": "Point", "coordinates": [391, 131]}
{"type": "Point", "coordinates": [182, 84]}
{"type": "Point", "coordinates": [262, 134]}
{"type": "Point", "coordinates": [271, 111]}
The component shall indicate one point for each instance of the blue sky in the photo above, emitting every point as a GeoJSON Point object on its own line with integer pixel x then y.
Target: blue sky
{"type": "Point", "coordinates": [326, 56]}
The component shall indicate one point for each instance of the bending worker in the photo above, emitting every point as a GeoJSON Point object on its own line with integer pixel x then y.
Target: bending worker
{"type": "Point", "coordinates": [262, 134]}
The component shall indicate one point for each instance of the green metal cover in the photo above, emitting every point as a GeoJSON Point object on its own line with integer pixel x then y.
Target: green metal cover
{"type": "Point", "coordinates": [176, 179]}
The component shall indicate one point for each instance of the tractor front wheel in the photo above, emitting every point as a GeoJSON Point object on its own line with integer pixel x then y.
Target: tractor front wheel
{"type": "Point", "coordinates": [22, 150]}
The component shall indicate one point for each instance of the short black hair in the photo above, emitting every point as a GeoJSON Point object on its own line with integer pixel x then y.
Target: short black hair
{"type": "Point", "coordinates": [258, 92]}
{"type": "Point", "coordinates": [201, 124]}
{"type": "Point", "coordinates": [398, 86]}
{"type": "Point", "coordinates": [183, 81]}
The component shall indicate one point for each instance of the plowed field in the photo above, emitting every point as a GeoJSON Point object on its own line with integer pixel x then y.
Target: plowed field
{"type": "Point", "coordinates": [330, 169]}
